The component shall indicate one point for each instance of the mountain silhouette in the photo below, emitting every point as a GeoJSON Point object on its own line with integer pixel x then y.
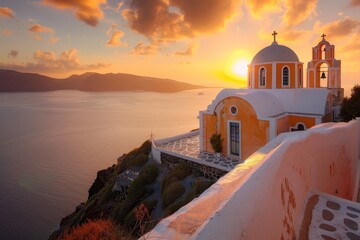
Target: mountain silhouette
{"type": "Point", "coordinates": [13, 81]}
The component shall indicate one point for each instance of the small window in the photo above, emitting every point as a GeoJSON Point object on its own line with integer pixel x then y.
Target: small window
{"type": "Point", "coordinates": [285, 76]}
{"type": "Point", "coordinates": [262, 77]}
{"type": "Point", "coordinates": [300, 77]}
{"type": "Point", "coordinates": [233, 110]}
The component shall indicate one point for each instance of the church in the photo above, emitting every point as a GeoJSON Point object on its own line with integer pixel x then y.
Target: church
{"type": "Point", "coordinates": [275, 101]}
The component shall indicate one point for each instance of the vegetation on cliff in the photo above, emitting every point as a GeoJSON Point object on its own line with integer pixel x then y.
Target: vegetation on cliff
{"type": "Point", "coordinates": [351, 106]}
{"type": "Point", "coordinates": [156, 192]}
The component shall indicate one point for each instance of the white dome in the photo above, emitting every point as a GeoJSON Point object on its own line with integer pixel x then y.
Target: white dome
{"type": "Point", "coordinates": [275, 53]}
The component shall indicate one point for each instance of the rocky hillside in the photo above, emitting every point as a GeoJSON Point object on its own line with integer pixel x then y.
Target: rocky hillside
{"type": "Point", "coordinates": [135, 194]}
{"type": "Point", "coordinates": [13, 81]}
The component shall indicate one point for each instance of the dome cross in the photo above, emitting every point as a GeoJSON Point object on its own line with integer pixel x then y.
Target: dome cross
{"type": "Point", "coordinates": [274, 34]}
{"type": "Point", "coordinates": [323, 36]}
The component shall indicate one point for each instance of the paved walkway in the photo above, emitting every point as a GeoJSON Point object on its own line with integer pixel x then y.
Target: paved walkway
{"type": "Point", "coordinates": [334, 218]}
{"type": "Point", "coordinates": [190, 147]}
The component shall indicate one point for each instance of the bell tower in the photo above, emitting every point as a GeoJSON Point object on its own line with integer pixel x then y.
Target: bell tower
{"type": "Point", "coordinates": [325, 71]}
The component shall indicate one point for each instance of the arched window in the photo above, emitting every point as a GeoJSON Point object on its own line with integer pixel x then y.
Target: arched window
{"type": "Point", "coordinates": [262, 77]}
{"type": "Point", "coordinates": [285, 76]}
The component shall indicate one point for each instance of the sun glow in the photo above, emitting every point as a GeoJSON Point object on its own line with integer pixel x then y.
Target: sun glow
{"type": "Point", "coordinates": [240, 68]}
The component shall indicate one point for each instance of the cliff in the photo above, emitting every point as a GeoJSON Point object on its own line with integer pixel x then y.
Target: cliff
{"type": "Point", "coordinates": [135, 182]}
{"type": "Point", "coordinates": [13, 81]}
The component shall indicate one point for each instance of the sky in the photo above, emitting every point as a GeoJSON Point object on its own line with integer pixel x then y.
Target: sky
{"type": "Point", "coordinates": [207, 42]}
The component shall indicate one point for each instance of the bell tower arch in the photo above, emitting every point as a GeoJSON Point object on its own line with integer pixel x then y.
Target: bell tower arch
{"type": "Point", "coordinates": [325, 71]}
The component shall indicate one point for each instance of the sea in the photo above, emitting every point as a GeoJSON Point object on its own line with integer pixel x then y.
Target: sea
{"type": "Point", "coordinates": [53, 143]}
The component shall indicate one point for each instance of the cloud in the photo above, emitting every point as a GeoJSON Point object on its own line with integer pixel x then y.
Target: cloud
{"type": "Point", "coordinates": [88, 11]}
{"type": "Point", "coordinates": [115, 39]}
{"type": "Point", "coordinates": [354, 3]}
{"type": "Point", "coordinates": [189, 51]}
{"type": "Point", "coordinates": [353, 44]}
{"type": "Point", "coordinates": [6, 12]}
{"type": "Point", "coordinates": [37, 28]}
{"type": "Point", "coordinates": [168, 20]}
{"type": "Point", "coordinates": [6, 32]}
{"type": "Point", "coordinates": [13, 53]}
{"type": "Point", "coordinates": [295, 11]}
{"type": "Point", "coordinates": [298, 11]}
{"type": "Point", "coordinates": [257, 7]}
{"type": "Point", "coordinates": [207, 15]}
{"type": "Point", "coordinates": [340, 28]}
{"type": "Point", "coordinates": [45, 61]}
{"type": "Point", "coordinates": [292, 35]}
{"type": "Point", "coordinates": [142, 49]}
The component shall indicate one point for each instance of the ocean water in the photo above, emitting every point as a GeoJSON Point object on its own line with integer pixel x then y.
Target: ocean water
{"type": "Point", "coordinates": [53, 143]}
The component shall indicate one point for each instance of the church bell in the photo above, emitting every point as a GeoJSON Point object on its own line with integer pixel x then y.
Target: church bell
{"type": "Point", "coordinates": [323, 75]}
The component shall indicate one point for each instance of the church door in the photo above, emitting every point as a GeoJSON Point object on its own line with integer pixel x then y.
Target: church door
{"type": "Point", "coordinates": [234, 138]}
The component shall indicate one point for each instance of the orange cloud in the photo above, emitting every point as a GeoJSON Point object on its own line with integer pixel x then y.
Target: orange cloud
{"type": "Point", "coordinates": [6, 12]}
{"type": "Point", "coordinates": [298, 11]}
{"type": "Point", "coordinates": [257, 7]}
{"type": "Point", "coordinates": [355, 3]}
{"type": "Point", "coordinates": [292, 35]}
{"type": "Point", "coordinates": [207, 15]}
{"type": "Point", "coordinates": [45, 61]}
{"type": "Point", "coordinates": [353, 44]}
{"type": "Point", "coordinates": [142, 49]}
{"type": "Point", "coordinates": [341, 28]}
{"type": "Point", "coordinates": [168, 20]}
{"type": "Point", "coordinates": [189, 51]}
{"type": "Point", "coordinates": [37, 28]}
{"type": "Point", "coordinates": [115, 39]}
{"type": "Point", "coordinates": [88, 11]}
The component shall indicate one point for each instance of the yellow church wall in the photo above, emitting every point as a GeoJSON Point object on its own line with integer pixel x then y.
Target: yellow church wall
{"type": "Point", "coordinates": [307, 121]}
{"type": "Point", "coordinates": [209, 128]}
{"type": "Point", "coordinates": [268, 68]}
{"type": "Point", "coordinates": [279, 67]}
{"type": "Point", "coordinates": [284, 124]}
{"type": "Point", "coordinates": [254, 133]}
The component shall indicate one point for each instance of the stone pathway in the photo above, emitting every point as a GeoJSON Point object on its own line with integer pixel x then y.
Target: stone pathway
{"type": "Point", "coordinates": [335, 218]}
{"type": "Point", "coordinates": [190, 147]}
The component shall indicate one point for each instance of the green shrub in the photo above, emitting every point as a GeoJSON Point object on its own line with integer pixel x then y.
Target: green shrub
{"type": "Point", "coordinates": [137, 191]}
{"type": "Point", "coordinates": [178, 172]}
{"type": "Point", "coordinates": [150, 204]}
{"type": "Point", "coordinates": [178, 204]}
{"type": "Point", "coordinates": [137, 157]}
{"type": "Point", "coordinates": [216, 142]}
{"type": "Point", "coordinates": [199, 186]}
{"type": "Point", "coordinates": [171, 193]}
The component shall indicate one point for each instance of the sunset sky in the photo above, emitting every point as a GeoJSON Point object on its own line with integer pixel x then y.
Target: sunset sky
{"type": "Point", "coordinates": [206, 42]}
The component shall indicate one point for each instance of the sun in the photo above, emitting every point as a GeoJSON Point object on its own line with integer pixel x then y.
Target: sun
{"type": "Point", "coordinates": [240, 68]}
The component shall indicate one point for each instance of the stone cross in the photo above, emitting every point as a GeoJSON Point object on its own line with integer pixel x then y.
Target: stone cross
{"type": "Point", "coordinates": [323, 36]}
{"type": "Point", "coordinates": [274, 34]}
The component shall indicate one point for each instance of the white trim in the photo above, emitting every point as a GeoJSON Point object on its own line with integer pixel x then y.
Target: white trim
{"type": "Point", "coordinates": [259, 77]}
{"type": "Point", "coordinates": [201, 131]}
{"type": "Point", "coordinates": [273, 78]}
{"type": "Point", "coordinates": [318, 121]}
{"type": "Point", "coordinates": [273, 129]}
{"type": "Point", "coordinates": [282, 77]}
{"type": "Point", "coordinates": [228, 138]}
